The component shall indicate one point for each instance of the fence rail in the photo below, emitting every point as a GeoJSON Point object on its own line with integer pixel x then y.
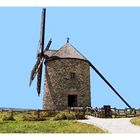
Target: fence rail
{"type": "Point", "coordinates": [115, 113]}
{"type": "Point", "coordinates": [97, 112]}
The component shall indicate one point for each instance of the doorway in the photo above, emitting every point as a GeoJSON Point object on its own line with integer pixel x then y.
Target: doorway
{"type": "Point", "coordinates": [72, 100]}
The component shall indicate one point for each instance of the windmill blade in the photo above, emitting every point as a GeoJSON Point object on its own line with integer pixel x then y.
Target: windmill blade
{"type": "Point", "coordinates": [41, 54]}
{"type": "Point", "coordinates": [39, 74]}
{"type": "Point", "coordinates": [41, 51]}
{"type": "Point", "coordinates": [37, 70]}
{"type": "Point", "coordinates": [48, 45]}
{"type": "Point", "coordinates": [39, 77]}
{"type": "Point", "coordinates": [42, 32]}
{"type": "Point", "coordinates": [34, 72]}
{"type": "Point", "coordinates": [103, 78]}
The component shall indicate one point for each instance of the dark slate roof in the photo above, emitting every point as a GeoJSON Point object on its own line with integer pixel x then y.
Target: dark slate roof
{"type": "Point", "coordinates": [66, 51]}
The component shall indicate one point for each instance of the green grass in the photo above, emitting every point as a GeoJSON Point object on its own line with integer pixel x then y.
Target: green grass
{"type": "Point", "coordinates": [135, 121]}
{"type": "Point", "coordinates": [27, 122]}
{"type": "Point", "coordinates": [49, 126]}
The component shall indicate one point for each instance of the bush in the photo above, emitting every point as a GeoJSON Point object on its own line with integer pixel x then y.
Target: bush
{"type": "Point", "coordinates": [7, 117]}
{"type": "Point", "coordinates": [60, 116]}
{"type": "Point", "coordinates": [44, 114]}
{"type": "Point", "coordinates": [88, 113]}
{"type": "Point", "coordinates": [29, 118]}
{"type": "Point", "coordinates": [52, 113]}
{"type": "Point", "coordinates": [135, 121]}
{"type": "Point", "coordinates": [65, 115]}
{"type": "Point", "coordinates": [32, 116]}
{"type": "Point", "coordinates": [70, 115]}
{"type": "Point", "coordinates": [80, 115]}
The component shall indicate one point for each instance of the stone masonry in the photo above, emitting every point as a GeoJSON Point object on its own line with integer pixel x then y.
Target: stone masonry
{"type": "Point", "coordinates": [69, 75]}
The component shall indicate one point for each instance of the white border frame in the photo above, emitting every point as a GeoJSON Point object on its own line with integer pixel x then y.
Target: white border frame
{"type": "Point", "coordinates": [89, 3]}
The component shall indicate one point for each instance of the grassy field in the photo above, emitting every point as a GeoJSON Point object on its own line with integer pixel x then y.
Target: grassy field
{"type": "Point", "coordinates": [46, 122]}
{"type": "Point", "coordinates": [49, 126]}
{"type": "Point", "coordinates": [135, 121]}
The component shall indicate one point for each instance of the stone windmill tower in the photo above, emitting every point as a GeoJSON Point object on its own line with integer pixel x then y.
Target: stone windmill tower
{"type": "Point", "coordinates": [67, 79]}
{"type": "Point", "coordinates": [67, 75]}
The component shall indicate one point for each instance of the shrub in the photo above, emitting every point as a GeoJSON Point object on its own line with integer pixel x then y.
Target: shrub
{"type": "Point", "coordinates": [70, 115]}
{"type": "Point", "coordinates": [7, 117]}
{"type": "Point", "coordinates": [32, 116]}
{"type": "Point", "coordinates": [60, 116]}
{"type": "Point", "coordinates": [28, 118]}
{"type": "Point", "coordinates": [52, 113]}
{"type": "Point", "coordinates": [135, 121]}
{"type": "Point", "coordinates": [44, 114]}
{"type": "Point", "coordinates": [80, 115]}
{"type": "Point", "coordinates": [88, 112]}
{"type": "Point", "coordinates": [65, 115]}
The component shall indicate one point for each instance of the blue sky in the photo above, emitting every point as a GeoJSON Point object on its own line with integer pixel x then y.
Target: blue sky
{"type": "Point", "coordinates": [108, 36]}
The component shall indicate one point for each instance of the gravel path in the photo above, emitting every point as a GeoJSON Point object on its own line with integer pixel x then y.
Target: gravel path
{"type": "Point", "coordinates": [117, 125]}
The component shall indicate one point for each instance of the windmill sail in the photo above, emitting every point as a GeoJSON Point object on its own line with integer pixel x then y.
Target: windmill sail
{"type": "Point", "coordinates": [42, 32]}
{"type": "Point", "coordinates": [42, 36]}
{"type": "Point", "coordinates": [34, 72]}
{"type": "Point", "coordinates": [37, 69]}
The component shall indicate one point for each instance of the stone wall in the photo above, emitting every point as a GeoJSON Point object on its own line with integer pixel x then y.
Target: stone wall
{"type": "Point", "coordinates": [59, 83]}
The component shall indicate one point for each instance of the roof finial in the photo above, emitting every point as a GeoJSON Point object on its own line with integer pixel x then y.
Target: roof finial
{"type": "Point", "coordinates": [68, 40]}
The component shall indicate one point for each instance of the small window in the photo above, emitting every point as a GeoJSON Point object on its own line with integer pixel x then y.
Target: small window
{"type": "Point", "coordinates": [72, 75]}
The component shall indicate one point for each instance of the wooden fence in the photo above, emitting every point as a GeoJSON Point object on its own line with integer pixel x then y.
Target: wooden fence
{"type": "Point", "coordinates": [97, 112]}
{"type": "Point", "coordinates": [115, 113]}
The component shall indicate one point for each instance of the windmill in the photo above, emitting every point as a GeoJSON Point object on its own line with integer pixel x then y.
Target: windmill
{"type": "Point", "coordinates": [44, 57]}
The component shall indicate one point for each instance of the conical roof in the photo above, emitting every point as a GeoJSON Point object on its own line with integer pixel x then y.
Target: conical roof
{"type": "Point", "coordinates": [66, 51]}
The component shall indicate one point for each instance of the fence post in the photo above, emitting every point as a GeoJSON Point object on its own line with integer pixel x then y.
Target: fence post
{"type": "Point", "coordinates": [1, 111]}
{"type": "Point", "coordinates": [118, 113]}
{"type": "Point", "coordinates": [11, 113]}
{"type": "Point", "coordinates": [138, 112]}
{"type": "Point", "coordinates": [134, 110]}
{"type": "Point", "coordinates": [38, 114]}
{"type": "Point", "coordinates": [125, 111]}
{"type": "Point", "coordinates": [96, 112]}
{"type": "Point", "coordinates": [115, 112]}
